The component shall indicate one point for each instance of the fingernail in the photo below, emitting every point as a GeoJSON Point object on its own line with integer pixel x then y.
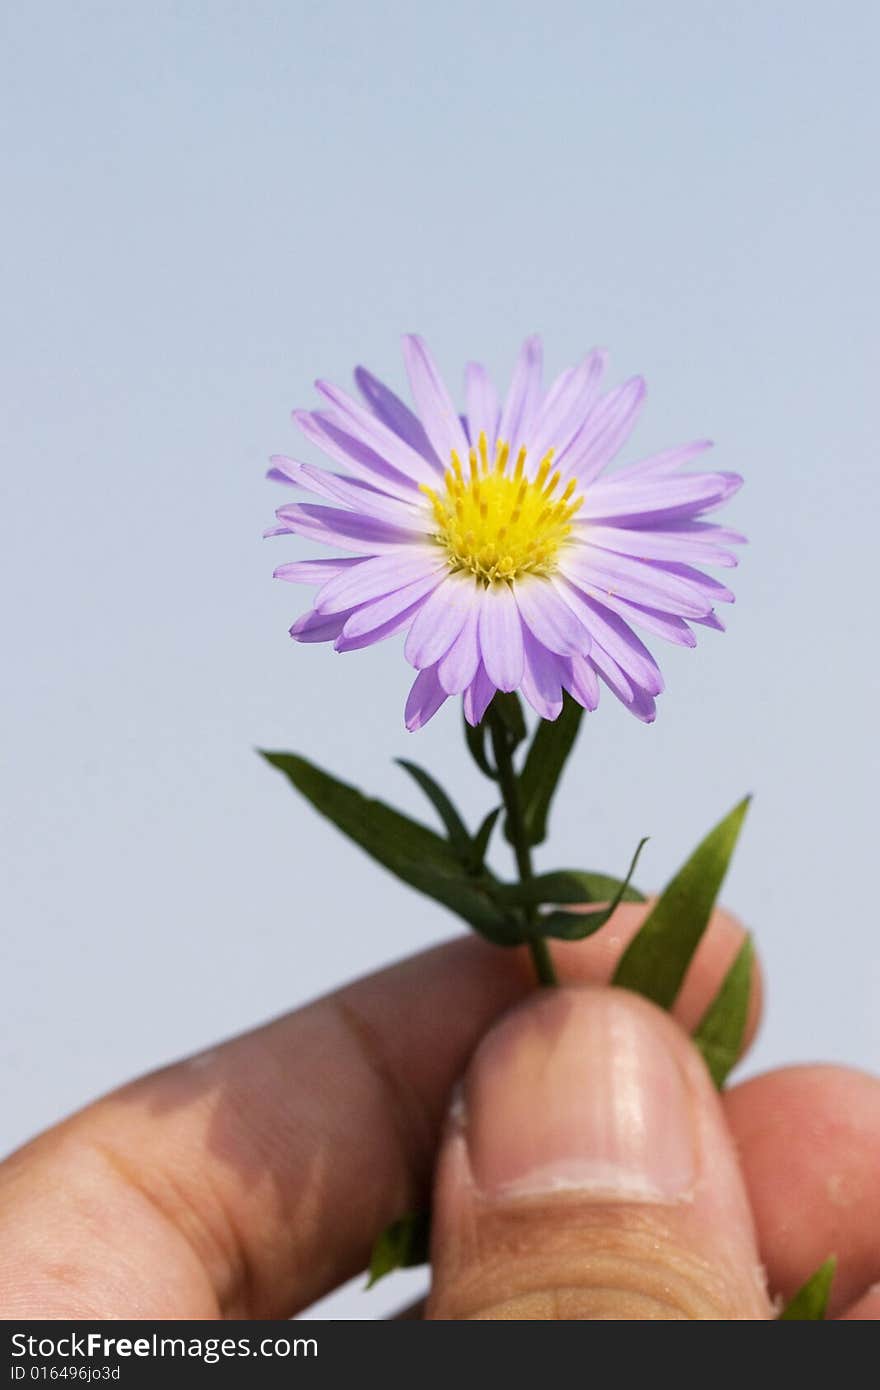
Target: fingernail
{"type": "Point", "coordinates": [580, 1090]}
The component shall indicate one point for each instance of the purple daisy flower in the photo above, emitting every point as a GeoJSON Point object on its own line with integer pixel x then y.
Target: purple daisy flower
{"type": "Point", "coordinates": [496, 541]}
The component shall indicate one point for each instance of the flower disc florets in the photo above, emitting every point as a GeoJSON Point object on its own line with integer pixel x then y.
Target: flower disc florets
{"type": "Point", "coordinates": [495, 521]}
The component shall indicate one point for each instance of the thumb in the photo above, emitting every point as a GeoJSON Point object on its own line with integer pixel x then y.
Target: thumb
{"type": "Point", "coordinates": [587, 1173]}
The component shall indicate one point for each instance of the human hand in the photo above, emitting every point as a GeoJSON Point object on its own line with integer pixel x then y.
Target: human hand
{"type": "Point", "coordinates": [588, 1169]}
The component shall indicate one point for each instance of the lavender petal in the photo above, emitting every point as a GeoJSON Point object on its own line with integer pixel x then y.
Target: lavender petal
{"type": "Point", "coordinates": [370, 631]}
{"type": "Point", "coordinates": [711, 590]}
{"type": "Point", "coordinates": [501, 637]}
{"type": "Point", "coordinates": [551, 620]}
{"type": "Point", "coordinates": [318, 627]}
{"type": "Point", "coordinates": [366, 427]}
{"type": "Point", "coordinates": [477, 696]}
{"type": "Point", "coordinates": [433, 402]}
{"type": "Point", "coordinates": [441, 620]}
{"type": "Point", "coordinates": [357, 495]}
{"type": "Point", "coordinates": [680, 495]}
{"type": "Point", "coordinates": [543, 675]}
{"type": "Point", "coordinates": [582, 682]}
{"type": "Point", "coordinates": [665, 625]}
{"type": "Point", "coordinates": [609, 671]}
{"type": "Point", "coordinates": [566, 406]}
{"type": "Point", "coordinates": [425, 698]}
{"type": "Point", "coordinates": [315, 571]}
{"type": "Point", "coordinates": [394, 413]}
{"type": "Point", "coordinates": [654, 544]}
{"type": "Point", "coordinates": [346, 530]}
{"type": "Point", "coordinates": [605, 431]}
{"type": "Point", "coordinates": [616, 638]}
{"type": "Point", "coordinates": [368, 616]}
{"type": "Point", "coordinates": [481, 403]}
{"type": "Point", "coordinates": [669, 461]}
{"type": "Point", "coordinates": [523, 396]}
{"type": "Point", "coordinates": [357, 457]}
{"type": "Point", "coordinates": [622, 576]}
{"type": "Point", "coordinates": [459, 666]}
{"type": "Point", "coordinates": [377, 577]}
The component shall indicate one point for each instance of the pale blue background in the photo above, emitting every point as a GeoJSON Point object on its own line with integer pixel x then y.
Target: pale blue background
{"type": "Point", "coordinates": [208, 204]}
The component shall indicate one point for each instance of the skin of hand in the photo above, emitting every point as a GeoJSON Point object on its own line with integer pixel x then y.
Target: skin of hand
{"type": "Point", "coordinates": [587, 1168]}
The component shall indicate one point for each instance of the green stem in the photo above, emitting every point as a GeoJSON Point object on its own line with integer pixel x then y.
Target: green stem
{"type": "Point", "coordinates": [542, 961]}
{"type": "Point", "coordinates": [509, 784]}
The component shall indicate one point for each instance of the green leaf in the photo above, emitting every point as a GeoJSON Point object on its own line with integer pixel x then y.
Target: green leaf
{"type": "Point", "coordinates": [602, 888]}
{"type": "Point", "coordinates": [400, 1246]}
{"type": "Point", "coordinates": [384, 833]}
{"type": "Point", "coordinates": [459, 835]}
{"type": "Point", "coordinates": [547, 755]}
{"type": "Point", "coordinates": [466, 896]}
{"type": "Point", "coordinates": [475, 738]}
{"type": "Point", "coordinates": [657, 958]}
{"type": "Point", "coordinates": [720, 1032]}
{"type": "Point", "coordinates": [563, 886]}
{"type": "Point", "coordinates": [810, 1303]}
{"type": "Point", "coordinates": [406, 847]}
{"type": "Point", "coordinates": [574, 926]}
{"type": "Point", "coordinates": [480, 845]}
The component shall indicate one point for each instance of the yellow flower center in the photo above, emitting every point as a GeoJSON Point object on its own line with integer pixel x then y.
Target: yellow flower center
{"type": "Point", "coordinates": [496, 522]}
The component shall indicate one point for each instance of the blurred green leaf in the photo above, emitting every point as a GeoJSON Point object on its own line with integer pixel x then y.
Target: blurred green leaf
{"type": "Point", "coordinates": [459, 835]}
{"type": "Point", "coordinates": [720, 1032]}
{"type": "Point", "coordinates": [657, 958]}
{"type": "Point", "coordinates": [810, 1303]}
{"type": "Point", "coordinates": [564, 886]}
{"type": "Point", "coordinates": [406, 847]}
{"type": "Point", "coordinates": [464, 895]}
{"type": "Point", "coordinates": [475, 738]}
{"type": "Point", "coordinates": [602, 888]}
{"type": "Point", "coordinates": [480, 846]}
{"type": "Point", "coordinates": [547, 755]}
{"type": "Point", "coordinates": [574, 926]}
{"type": "Point", "coordinates": [400, 1246]}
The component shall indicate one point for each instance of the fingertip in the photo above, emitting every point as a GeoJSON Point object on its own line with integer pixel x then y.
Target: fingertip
{"type": "Point", "coordinates": [586, 1172]}
{"type": "Point", "coordinates": [809, 1142]}
{"type": "Point", "coordinates": [595, 959]}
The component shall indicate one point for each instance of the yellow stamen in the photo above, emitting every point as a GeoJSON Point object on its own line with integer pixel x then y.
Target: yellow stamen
{"type": "Point", "coordinates": [499, 523]}
{"type": "Point", "coordinates": [483, 446]}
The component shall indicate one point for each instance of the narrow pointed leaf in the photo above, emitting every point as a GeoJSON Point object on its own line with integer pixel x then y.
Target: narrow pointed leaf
{"type": "Point", "coordinates": [459, 836]}
{"type": "Point", "coordinates": [574, 926]}
{"type": "Point", "coordinates": [406, 847]}
{"type": "Point", "coordinates": [480, 846]}
{"type": "Point", "coordinates": [400, 1246]}
{"type": "Point", "coordinates": [657, 958]}
{"type": "Point", "coordinates": [564, 886]}
{"type": "Point", "coordinates": [547, 756]}
{"type": "Point", "coordinates": [810, 1303]}
{"type": "Point", "coordinates": [462, 894]}
{"type": "Point", "coordinates": [384, 833]}
{"type": "Point", "coordinates": [475, 737]}
{"type": "Point", "coordinates": [602, 888]}
{"type": "Point", "coordinates": [719, 1034]}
